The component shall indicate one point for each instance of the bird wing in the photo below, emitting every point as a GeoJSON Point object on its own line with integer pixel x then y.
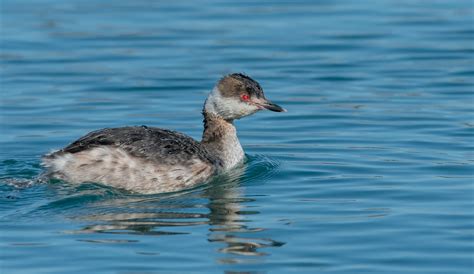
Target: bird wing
{"type": "Point", "coordinates": [156, 144]}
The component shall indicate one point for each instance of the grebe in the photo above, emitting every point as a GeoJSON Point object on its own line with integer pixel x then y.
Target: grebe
{"type": "Point", "coordinates": [153, 160]}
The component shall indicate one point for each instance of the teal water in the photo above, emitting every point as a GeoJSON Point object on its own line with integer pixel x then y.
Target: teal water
{"type": "Point", "coordinates": [370, 171]}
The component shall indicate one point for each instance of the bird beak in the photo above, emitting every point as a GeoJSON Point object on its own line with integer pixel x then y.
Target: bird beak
{"type": "Point", "coordinates": [271, 106]}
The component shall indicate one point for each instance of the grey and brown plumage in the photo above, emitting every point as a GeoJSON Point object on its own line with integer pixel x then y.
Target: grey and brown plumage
{"type": "Point", "coordinates": [152, 160]}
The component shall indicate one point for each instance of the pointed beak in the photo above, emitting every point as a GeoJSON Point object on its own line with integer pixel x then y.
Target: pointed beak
{"type": "Point", "coordinates": [271, 106]}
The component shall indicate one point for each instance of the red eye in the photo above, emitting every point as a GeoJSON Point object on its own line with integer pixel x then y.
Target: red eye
{"type": "Point", "coordinates": [245, 97]}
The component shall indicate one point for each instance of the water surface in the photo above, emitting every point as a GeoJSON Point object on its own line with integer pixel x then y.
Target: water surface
{"type": "Point", "coordinates": [370, 171]}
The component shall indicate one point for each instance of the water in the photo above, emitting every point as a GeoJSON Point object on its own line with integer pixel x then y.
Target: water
{"type": "Point", "coordinates": [370, 171]}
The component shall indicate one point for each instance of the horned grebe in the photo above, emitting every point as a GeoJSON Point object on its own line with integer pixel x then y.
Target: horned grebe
{"type": "Point", "coordinates": [154, 160]}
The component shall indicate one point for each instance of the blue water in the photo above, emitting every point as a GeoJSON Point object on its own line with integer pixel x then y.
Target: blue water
{"type": "Point", "coordinates": [370, 171]}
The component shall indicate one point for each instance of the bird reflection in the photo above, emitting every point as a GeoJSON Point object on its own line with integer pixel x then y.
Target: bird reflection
{"type": "Point", "coordinates": [226, 219]}
{"type": "Point", "coordinates": [220, 205]}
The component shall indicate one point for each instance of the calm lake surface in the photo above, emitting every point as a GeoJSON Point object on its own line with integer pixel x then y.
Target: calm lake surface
{"type": "Point", "coordinates": [370, 171]}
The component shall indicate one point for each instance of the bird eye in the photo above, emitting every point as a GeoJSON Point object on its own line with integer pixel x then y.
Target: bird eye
{"type": "Point", "coordinates": [245, 97]}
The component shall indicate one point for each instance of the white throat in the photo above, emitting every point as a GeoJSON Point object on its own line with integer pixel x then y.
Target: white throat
{"type": "Point", "coordinates": [231, 151]}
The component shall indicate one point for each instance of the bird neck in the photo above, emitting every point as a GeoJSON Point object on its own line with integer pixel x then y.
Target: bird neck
{"type": "Point", "coordinates": [220, 139]}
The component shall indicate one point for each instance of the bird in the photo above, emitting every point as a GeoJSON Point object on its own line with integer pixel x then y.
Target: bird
{"type": "Point", "coordinates": [150, 160]}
